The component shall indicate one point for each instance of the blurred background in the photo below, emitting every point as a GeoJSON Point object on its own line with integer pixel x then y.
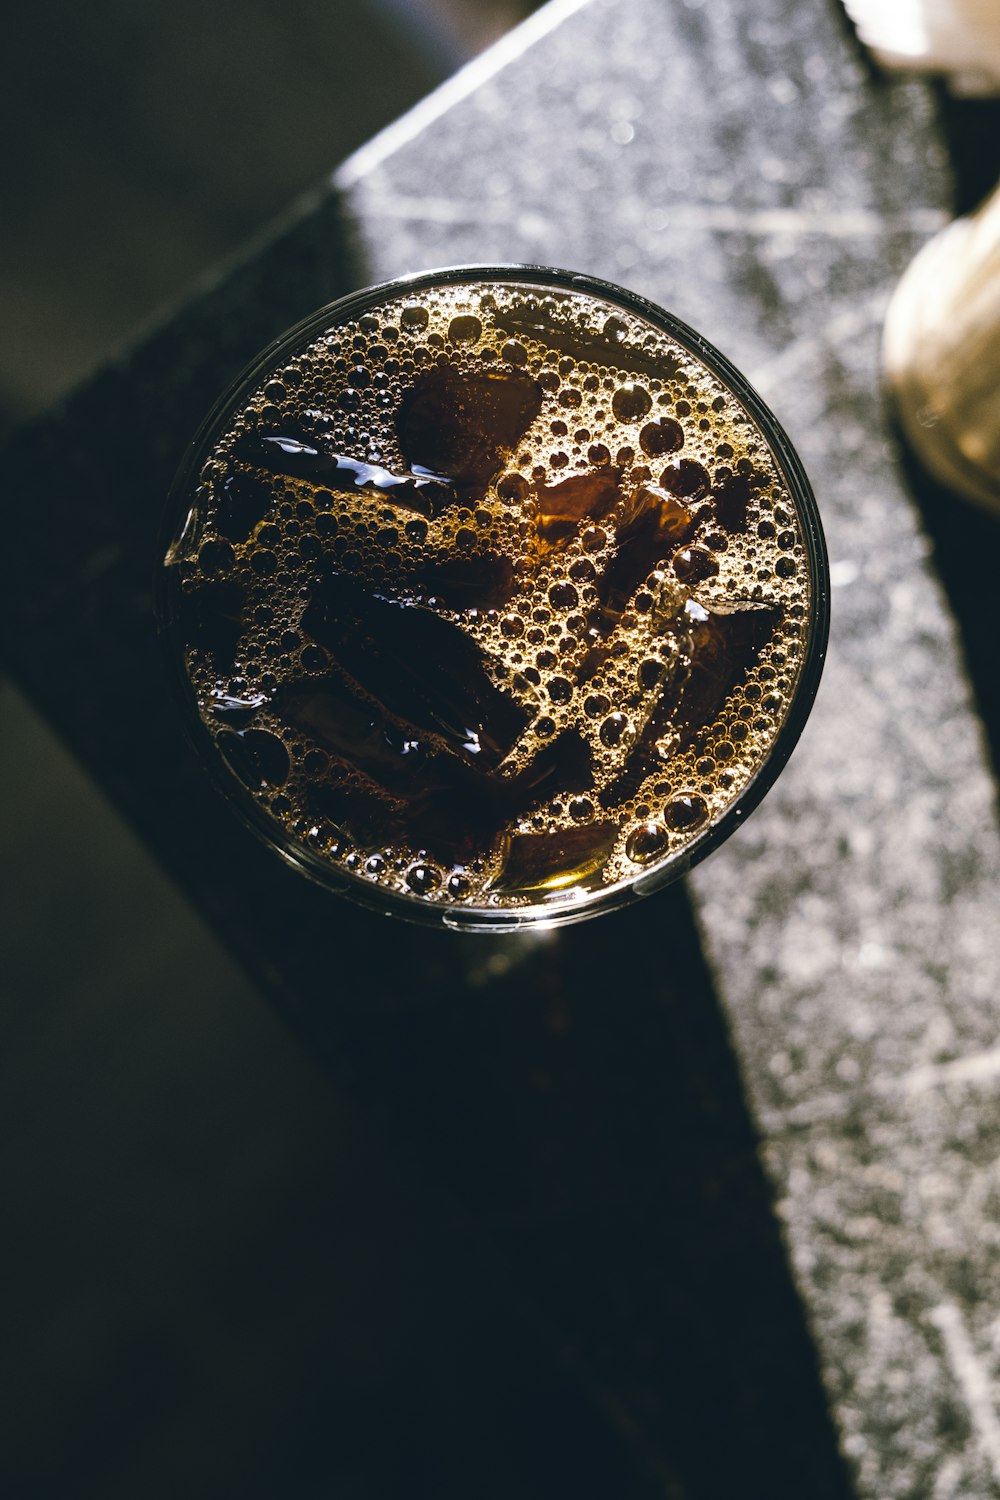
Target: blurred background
{"type": "Point", "coordinates": [199, 1252]}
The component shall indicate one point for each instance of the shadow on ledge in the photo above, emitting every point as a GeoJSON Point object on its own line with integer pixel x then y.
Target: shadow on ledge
{"type": "Point", "coordinates": [606, 1306]}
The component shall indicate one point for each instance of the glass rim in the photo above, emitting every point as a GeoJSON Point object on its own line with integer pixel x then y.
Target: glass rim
{"type": "Point", "coordinates": [561, 908]}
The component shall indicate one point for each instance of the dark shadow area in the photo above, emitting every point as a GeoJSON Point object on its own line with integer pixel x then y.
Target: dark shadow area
{"type": "Point", "coordinates": [971, 134]}
{"type": "Point", "coordinates": [600, 1300]}
{"type": "Point", "coordinates": [586, 1116]}
{"type": "Point", "coordinates": [966, 537]}
{"type": "Point", "coordinates": [966, 541]}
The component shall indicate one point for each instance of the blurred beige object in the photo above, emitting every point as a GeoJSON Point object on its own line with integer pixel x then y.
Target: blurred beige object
{"type": "Point", "coordinates": [959, 38]}
{"type": "Point", "coordinates": [942, 354]}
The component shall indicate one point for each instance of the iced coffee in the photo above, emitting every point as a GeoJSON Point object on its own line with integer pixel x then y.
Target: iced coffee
{"type": "Point", "coordinates": [495, 597]}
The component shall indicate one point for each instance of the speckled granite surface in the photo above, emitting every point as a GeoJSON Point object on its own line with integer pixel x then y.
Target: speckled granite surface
{"type": "Point", "coordinates": [570, 1106]}
{"type": "Point", "coordinates": [853, 926]}
{"type": "Point", "coordinates": [737, 165]}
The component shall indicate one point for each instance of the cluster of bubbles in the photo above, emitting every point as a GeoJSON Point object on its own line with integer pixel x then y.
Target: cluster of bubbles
{"type": "Point", "coordinates": [620, 399]}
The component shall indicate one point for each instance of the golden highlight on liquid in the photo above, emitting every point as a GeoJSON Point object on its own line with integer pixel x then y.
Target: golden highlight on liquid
{"type": "Point", "coordinates": [492, 597]}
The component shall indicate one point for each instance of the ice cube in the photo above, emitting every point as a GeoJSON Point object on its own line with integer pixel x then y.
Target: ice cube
{"type": "Point", "coordinates": [355, 730]}
{"type": "Point", "coordinates": [463, 811]}
{"type": "Point", "coordinates": [478, 580]}
{"type": "Point", "coordinates": [433, 800]}
{"type": "Point", "coordinates": [623, 682]}
{"type": "Point", "coordinates": [212, 620]}
{"type": "Point", "coordinates": [609, 347]}
{"type": "Point", "coordinates": [463, 426]}
{"type": "Point", "coordinates": [312, 459]}
{"type": "Point", "coordinates": [458, 814]}
{"type": "Point", "coordinates": [367, 819]}
{"type": "Point", "coordinates": [591, 495]}
{"type": "Point", "coordinates": [654, 523]}
{"type": "Point", "coordinates": [716, 645]}
{"type": "Point", "coordinates": [722, 642]}
{"type": "Point", "coordinates": [236, 709]}
{"type": "Point", "coordinates": [563, 506]}
{"type": "Point", "coordinates": [537, 863]}
{"type": "Point", "coordinates": [563, 764]}
{"type": "Point", "coordinates": [419, 666]}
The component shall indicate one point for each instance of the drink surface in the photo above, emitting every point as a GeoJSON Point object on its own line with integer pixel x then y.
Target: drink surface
{"type": "Point", "coordinates": [490, 595]}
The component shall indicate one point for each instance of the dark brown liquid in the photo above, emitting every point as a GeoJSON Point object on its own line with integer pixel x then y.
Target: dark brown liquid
{"type": "Point", "coordinates": [492, 596]}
